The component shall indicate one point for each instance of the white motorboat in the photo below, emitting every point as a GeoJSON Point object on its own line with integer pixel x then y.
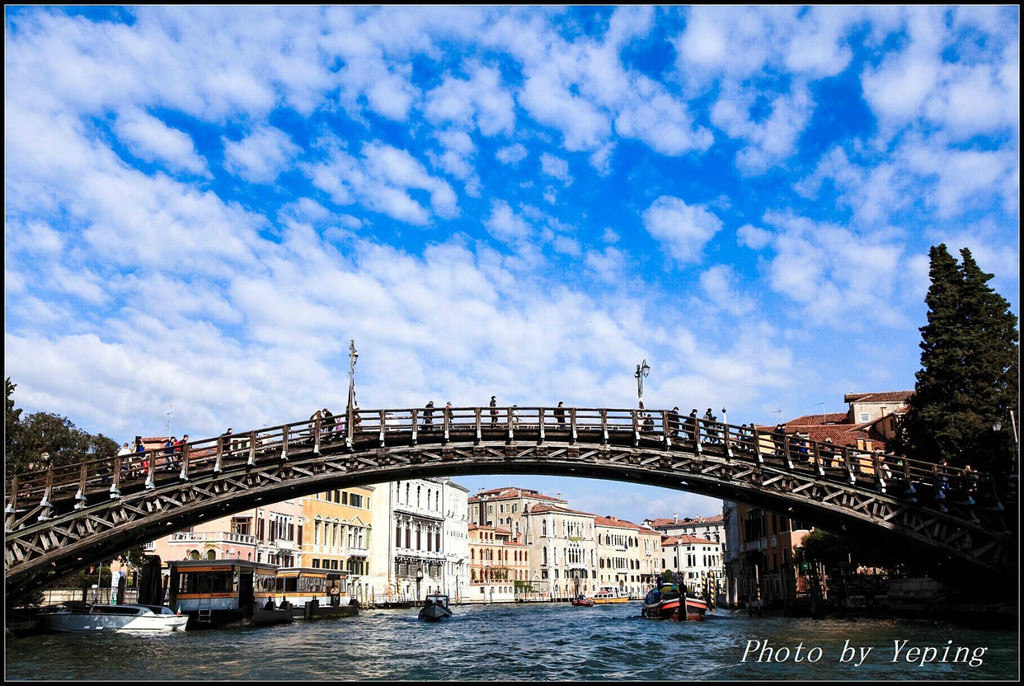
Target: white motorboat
{"type": "Point", "coordinates": [81, 617]}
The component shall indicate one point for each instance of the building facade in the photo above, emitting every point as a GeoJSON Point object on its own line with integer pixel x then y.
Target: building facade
{"type": "Point", "coordinates": [338, 529]}
{"type": "Point", "coordinates": [563, 561]}
{"type": "Point", "coordinates": [698, 562]}
{"type": "Point", "coordinates": [498, 565]}
{"type": "Point", "coordinates": [421, 518]}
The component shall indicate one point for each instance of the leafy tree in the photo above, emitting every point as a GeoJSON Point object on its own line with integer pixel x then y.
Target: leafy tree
{"type": "Point", "coordinates": [45, 439]}
{"type": "Point", "coordinates": [12, 428]}
{"type": "Point", "coordinates": [968, 376]}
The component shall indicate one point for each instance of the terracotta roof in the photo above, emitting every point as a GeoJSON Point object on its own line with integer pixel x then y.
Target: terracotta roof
{"type": "Point", "coordinates": [883, 397]}
{"type": "Point", "coordinates": [545, 507]}
{"type": "Point", "coordinates": [511, 494]}
{"type": "Point", "coordinates": [671, 521]}
{"type": "Point", "coordinates": [673, 540]}
{"type": "Point", "coordinates": [841, 434]}
{"type": "Point", "coordinates": [813, 419]}
{"type": "Point", "coordinates": [621, 523]}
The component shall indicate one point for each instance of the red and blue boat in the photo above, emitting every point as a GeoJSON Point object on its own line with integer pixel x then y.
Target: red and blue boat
{"type": "Point", "coordinates": [666, 603]}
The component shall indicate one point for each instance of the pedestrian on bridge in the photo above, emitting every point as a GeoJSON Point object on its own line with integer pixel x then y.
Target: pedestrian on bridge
{"type": "Point", "coordinates": [560, 414]}
{"type": "Point", "coordinates": [673, 421]}
{"type": "Point", "coordinates": [494, 409]}
{"type": "Point", "coordinates": [327, 423]}
{"type": "Point", "coordinates": [428, 416]}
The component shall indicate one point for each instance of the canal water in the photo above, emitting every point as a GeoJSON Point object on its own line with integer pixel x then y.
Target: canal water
{"type": "Point", "coordinates": [539, 642]}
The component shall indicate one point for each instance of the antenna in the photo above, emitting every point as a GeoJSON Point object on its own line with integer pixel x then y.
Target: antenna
{"type": "Point", "coordinates": [170, 416]}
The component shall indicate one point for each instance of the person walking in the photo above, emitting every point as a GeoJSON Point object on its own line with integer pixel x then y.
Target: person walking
{"type": "Point", "coordinates": [327, 423]}
{"type": "Point", "coordinates": [673, 421]}
{"type": "Point", "coordinates": [494, 409]}
{"type": "Point", "coordinates": [428, 416]}
{"type": "Point", "coordinates": [560, 414]}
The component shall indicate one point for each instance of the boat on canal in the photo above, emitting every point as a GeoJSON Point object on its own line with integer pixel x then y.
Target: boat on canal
{"type": "Point", "coordinates": [435, 608]}
{"type": "Point", "coordinates": [610, 594]}
{"type": "Point", "coordinates": [666, 603]}
{"type": "Point", "coordinates": [582, 601]}
{"type": "Point", "coordinates": [215, 593]}
{"type": "Point", "coordinates": [79, 617]}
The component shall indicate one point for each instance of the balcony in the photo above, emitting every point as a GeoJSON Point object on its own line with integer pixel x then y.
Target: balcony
{"type": "Point", "coordinates": [212, 537]}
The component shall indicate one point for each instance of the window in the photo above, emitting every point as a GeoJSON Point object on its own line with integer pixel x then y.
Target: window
{"type": "Point", "coordinates": [864, 416]}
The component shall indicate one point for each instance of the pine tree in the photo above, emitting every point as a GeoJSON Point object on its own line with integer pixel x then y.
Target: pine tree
{"type": "Point", "coordinates": [968, 376]}
{"type": "Point", "coordinates": [993, 367]}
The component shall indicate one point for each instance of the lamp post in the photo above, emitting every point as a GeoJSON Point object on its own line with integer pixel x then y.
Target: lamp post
{"type": "Point", "coordinates": [352, 355]}
{"type": "Point", "coordinates": [642, 370]}
{"type": "Point", "coordinates": [419, 578]}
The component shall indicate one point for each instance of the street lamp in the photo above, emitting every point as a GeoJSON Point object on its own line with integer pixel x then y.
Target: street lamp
{"type": "Point", "coordinates": [725, 418]}
{"type": "Point", "coordinates": [642, 370]}
{"type": "Point", "coordinates": [352, 355]}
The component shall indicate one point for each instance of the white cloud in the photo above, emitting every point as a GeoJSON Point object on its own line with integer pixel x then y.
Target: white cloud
{"type": "Point", "coordinates": [753, 237]}
{"type": "Point", "coordinates": [381, 180]}
{"type": "Point", "coordinates": [556, 167]}
{"type": "Point", "coordinates": [683, 229]}
{"type": "Point", "coordinates": [479, 101]}
{"type": "Point", "coordinates": [512, 154]}
{"type": "Point", "coordinates": [261, 156]}
{"type": "Point", "coordinates": [152, 140]}
{"type": "Point", "coordinates": [505, 225]}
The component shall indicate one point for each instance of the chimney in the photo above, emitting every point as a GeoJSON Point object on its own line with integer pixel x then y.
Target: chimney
{"type": "Point", "coordinates": [675, 518]}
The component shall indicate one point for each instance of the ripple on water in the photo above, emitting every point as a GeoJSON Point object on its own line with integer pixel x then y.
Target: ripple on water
{"type": "Point", "coordinates": [526, 642]}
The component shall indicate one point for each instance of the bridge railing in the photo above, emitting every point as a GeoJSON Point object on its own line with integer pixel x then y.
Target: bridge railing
{"type": "Point", "coordinates": [32, 493]}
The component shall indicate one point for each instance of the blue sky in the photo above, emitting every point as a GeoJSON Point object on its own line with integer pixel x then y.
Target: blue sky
{"type": "Point", "coordinates": [205, 204]}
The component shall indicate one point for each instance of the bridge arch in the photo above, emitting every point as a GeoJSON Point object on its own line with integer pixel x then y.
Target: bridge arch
{"type": "Point", "coordinates": [66, 520]}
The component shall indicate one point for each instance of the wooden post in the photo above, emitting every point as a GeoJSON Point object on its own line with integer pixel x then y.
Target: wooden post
{"type": "Point", "coordinates": [725, 439]}
{"type": "Point", "coordinates": [696, 436]}
{"type": "Point", "coordinates": [316, 435]}
{"type": "Point", "coordinates": [849, 466]}
{"type": "Point", "coordinates": [83, 475]}
{"type": "Point", "coordinates": [817, 459]}
{"type": "Point", "coordinates": [447, 422]}
{"type": "Point", "coordinates": [572, 425]}
{"type": "Point", "coordinates": [115, 478]}
{"type": "Point", "coordinates": [150, 482]}
{"type": "Point", "coordinates": [415, 426]}
{"type": "Point", "coordinates": [284, 442]}
{"type": "Point", "coordinates": [604, 426]}
{"type": "Point", "coordinates": [636, 427]}
{"type": "Point", "coordinates": [787, 451]}
{"type": "Point", "coordinates": [184, 462]}
{"type": "Point", "coordinates": [666, 430]}
{"type": "Point", "coordinates": [508, 418]}
{"type": "Point", "coordinates": [479, 428]}
{"type": "Point", "coordinates": [383, 427]}
{"type": "Point", "coordinates": [876, 464]}
{"type": "Point", "coordinates": [540, 422]}
{"type": "Point", "coordinates": [757, 445]}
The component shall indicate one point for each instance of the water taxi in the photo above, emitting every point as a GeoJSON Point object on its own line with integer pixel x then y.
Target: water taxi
{"type": "Point", "coordinates": [582, 601]}
{"type": "Point", "coordinates": [610, 594]}
{"type": "Point", "coordinates": [435, 608]}
{"type": "Point", "coordinates": [226, 592]}
{"type": "Point", "coordinates": [76, 617]}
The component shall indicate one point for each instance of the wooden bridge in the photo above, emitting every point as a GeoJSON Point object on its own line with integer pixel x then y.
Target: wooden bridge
{"type": "Point", "coordinates": [65, 518]}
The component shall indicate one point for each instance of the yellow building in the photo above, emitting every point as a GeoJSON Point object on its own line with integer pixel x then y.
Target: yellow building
{"type": "Point", "coordinates": [338, 532]}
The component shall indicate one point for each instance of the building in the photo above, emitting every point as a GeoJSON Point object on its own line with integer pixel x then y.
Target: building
{"type": "Point", "coordinates": [498, 565]}
{"type": "Point", "coordinates": [562, 555]}
{"type": "Point", "coordinates": [420, 517]}
{"type": "Point", "coordinates": [629, 556]}
{"type": "Point", "coordinates": [504, 507]}
{"type": "Point", "coordinates": [711, 528]}
{"type": "Point", "coordinates": [273, 534]}
{"type": "Point", "coordinates": [338, 534]}
{"type": "Point", "coordinates": [761, 546]}
{"type": "Point", "coordinates": [697, 560]}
